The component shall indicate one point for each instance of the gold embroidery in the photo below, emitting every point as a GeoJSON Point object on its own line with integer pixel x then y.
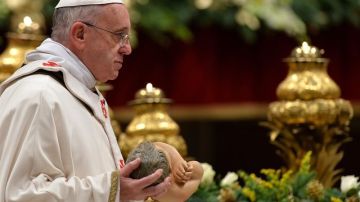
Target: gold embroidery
{"type": "Point", "coordinates": [114, 185]}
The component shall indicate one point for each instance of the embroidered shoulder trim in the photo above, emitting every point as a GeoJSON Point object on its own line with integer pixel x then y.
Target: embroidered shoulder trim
{"type": "Point", "coordinates": [114, 185]}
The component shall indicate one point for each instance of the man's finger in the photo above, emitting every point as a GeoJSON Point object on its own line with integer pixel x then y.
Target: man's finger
{"type": "Point", "coordinates": [150, 179]}
{"type": "Point", "coordinates": [158, 189]}
{"type": "Point", "coordinates": [130, 167]}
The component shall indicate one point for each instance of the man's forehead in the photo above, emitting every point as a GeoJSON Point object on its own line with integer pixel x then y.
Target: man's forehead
{"type": "Point", "coordinates": [116, 17]}
{"type": "Point", "coordinates": [71, 3]}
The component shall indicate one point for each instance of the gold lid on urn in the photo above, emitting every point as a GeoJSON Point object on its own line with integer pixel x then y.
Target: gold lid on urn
{"type": "Point", "coordinates": [151, 122]}
{"type": "Point", "coordinates": [306, 53]}
{"type": "Point", "coordinates": [307, 77]}
{"type": "Point", "coordinates": [149, 95]}
{"type": "Point", "coordinates": [151, 117]}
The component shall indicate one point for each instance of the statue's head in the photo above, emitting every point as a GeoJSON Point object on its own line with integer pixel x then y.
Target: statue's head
{"type": "Point", "coordinates": [152, 159]}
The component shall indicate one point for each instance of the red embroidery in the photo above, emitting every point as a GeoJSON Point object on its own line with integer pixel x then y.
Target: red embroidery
{"type": "Point", "coordinates": [103, 108]}
{"type": "Point", "coordinates": [51, 64]}
{"type": "Point", "coordinates": [122, 163]}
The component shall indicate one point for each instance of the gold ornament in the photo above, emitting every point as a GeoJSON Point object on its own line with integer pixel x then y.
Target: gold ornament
{"type": "Point", "coordinates": [151, 122]}
{"type": "Point", "coordinates": [310, 115]}
{"type": "Point", "coordinates": [13, 56]}
{"type": "Point", "coordinates": [27, 25]}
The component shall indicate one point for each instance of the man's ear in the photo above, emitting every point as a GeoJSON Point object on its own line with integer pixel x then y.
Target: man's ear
{"type": "Point", "coordinates": [77, 35]}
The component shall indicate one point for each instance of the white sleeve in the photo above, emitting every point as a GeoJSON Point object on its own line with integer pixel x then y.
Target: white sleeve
{"type": "Point", "coordinates": [38, 168]}
{"type": "Point", "coordinates": [73, 189]}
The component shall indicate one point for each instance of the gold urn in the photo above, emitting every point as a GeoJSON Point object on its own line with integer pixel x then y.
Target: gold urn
{"type": "Point", "coordinates": [25, 35]}
{"type": "Point", "coordinates": [310, 115]}
{"type": "Point", "coordinates": [13, 56]}
{"type": "Point", "coordinates": [308, 95]}
{"type": "Point", "coordinates": [151, 122]}
{"type": "Point", "coordinates": [27, 25]}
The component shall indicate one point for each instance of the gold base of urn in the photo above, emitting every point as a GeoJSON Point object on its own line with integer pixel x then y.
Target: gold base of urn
{"type": "Point", "coordinates": [151, 122]}
{"type": "Point", "coordinates": [310, 115]}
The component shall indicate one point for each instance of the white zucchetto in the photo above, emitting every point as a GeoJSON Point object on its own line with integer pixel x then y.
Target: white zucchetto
{"type": "Point", "coordinates": [70, 3]}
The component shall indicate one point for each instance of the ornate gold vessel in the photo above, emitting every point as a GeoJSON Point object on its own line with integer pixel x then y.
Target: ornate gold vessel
{"type": "Point", "coordinates": [151, 122]}
{"type": "Point", "coordinates": [13, 56]}
{"type": "Point", "coordinates": [310, 115]}
{"type": "Point", "coordinates": [27, 26]}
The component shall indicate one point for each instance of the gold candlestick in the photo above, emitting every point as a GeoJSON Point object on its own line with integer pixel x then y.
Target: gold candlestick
{"type": "Point", "coordinates": [310, 115]}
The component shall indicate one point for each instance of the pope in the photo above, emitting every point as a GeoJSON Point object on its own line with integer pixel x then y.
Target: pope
{"type": "Point", "coordinates": [56, 139]}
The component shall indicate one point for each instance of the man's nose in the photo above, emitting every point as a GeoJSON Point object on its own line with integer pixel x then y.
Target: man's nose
{"type": "Point", "coordinates": [126, 50]}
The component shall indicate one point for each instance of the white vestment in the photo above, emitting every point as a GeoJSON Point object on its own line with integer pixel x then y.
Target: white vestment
{"type": "Point", "coordinates": [56, 139]}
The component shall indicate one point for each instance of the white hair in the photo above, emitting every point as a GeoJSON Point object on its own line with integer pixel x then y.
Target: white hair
{"type": "Point", "coordinates": [63, 19]}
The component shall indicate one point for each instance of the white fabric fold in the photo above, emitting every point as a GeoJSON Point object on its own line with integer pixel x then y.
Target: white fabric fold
{"type": "Point", "coordinates": [54, 51]}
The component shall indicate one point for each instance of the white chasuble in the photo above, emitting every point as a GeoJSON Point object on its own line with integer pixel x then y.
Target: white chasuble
{"type": "Point", "coordinates": [56, 139]}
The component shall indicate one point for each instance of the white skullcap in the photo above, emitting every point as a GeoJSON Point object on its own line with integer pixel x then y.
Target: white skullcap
{"type": "Point", "coordinates": [70, 3]}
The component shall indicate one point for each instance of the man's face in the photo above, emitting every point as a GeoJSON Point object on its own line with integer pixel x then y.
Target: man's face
{"type": "Point", "coordinates": [103, 53]}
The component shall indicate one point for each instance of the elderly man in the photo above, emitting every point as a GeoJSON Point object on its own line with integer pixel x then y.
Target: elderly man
{"type": "Point", "coordinates": [56, 140]}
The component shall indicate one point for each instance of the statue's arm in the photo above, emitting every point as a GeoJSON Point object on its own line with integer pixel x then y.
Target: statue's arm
{"type": "Point", "coordinates": [181, 192]}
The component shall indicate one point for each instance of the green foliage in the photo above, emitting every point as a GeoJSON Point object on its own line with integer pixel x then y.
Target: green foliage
{"type": "Point", "coordinates": [163, 17]}
{"type": "Point", "coordinates": [4, 14]}
{"type": "Point", "coordinates": [303, 177]}
{"type": "Point", "coordinates": [165, 20]}
{"type": "Point", "coordinates": [276, 185]}
{"type": "Point", "coordinates": [206, 193]}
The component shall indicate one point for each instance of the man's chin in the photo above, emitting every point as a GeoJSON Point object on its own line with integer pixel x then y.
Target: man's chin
{"type": "Point", "coordinates": [115, 76]}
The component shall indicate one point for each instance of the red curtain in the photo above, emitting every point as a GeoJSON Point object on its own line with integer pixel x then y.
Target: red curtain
{"type": "Point", "coordinates": [219, 67]}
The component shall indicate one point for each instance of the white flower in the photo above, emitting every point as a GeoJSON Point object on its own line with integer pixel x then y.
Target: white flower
{"type": "Point", "coordinates": [230, 178]}
{"type": "Point", "coordinates": [348, 182]}
{"type": "Point", "coordinates": [208, 176]}
{"type": "Point", "coordinates": [244, 17]}
{"type": "Point", "coordinates": [203, 4]}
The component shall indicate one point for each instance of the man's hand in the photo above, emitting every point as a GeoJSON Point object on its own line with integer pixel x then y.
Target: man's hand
{"type": "Point", "coordinates": [137, 189]}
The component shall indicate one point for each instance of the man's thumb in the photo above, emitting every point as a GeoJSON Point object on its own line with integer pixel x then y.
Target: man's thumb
{"type": "Point", "coordinates": [130, 167]}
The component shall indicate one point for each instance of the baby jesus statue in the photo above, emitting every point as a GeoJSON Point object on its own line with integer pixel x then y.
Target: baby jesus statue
{"type": "Point", "coordinates": [185, 176]}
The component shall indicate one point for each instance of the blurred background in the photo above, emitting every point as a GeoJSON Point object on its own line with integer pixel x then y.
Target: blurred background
{"type": "Point", "coordinates": [220, 61]}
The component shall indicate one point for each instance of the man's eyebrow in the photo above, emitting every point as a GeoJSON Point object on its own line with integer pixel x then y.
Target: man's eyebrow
{"type": "Point", "coordinates": [122, 30]}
